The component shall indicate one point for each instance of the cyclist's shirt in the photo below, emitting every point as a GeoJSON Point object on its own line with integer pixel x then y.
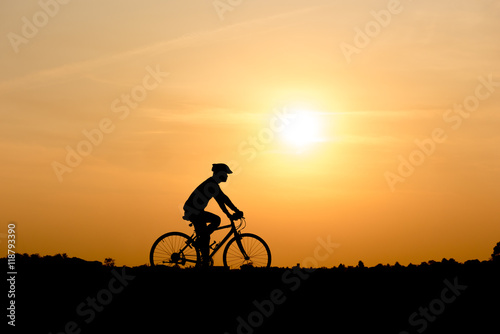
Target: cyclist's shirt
{"type": "Point", "coordinates": [200, 197]}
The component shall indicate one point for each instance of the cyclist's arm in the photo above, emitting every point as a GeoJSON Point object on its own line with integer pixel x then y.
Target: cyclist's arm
{"type": "Point", "coordinates": [223, 200]}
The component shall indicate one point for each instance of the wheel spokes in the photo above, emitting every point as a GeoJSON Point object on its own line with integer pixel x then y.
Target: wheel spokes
{"type": "Point", "coordinates": [173, 250]}
{"type": "Point", "coordinates": [257, 254]}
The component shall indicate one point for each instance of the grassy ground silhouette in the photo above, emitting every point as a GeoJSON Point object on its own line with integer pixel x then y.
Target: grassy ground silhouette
{"type": "Point", "coordinates": [58, 294]}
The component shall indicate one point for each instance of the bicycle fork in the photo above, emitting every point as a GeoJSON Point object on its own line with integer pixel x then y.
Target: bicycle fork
{"type": "Point", "coordinates": [237, 237]}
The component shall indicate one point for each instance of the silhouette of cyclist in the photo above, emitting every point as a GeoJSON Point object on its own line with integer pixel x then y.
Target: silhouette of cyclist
{"type": "Point", "coordinates": [194, 208]}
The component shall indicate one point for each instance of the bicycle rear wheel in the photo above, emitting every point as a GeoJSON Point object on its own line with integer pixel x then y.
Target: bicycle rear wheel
{"type": "Point", "coordinates": [255, 252]}
{"type": "Point", "coordinates": [174, 249]}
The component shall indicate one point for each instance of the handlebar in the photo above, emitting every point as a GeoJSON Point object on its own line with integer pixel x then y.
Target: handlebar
{"type": "Point", "coordinates": [242, 224]}
{"type": "Point", "coordinates": [237, 215]}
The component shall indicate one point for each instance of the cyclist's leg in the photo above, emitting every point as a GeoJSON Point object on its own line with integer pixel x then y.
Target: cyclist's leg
{"type": "Point", "coordinates": [203, 239]}
{"type": "Point", "coordinates": [203, 231]}
{"type": "Point", "coordinates": [205, 217]}
{"type": "Point", "coordinates": [213, 220]}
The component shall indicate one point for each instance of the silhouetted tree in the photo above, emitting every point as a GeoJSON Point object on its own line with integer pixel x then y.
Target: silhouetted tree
{"type": "Point", "coordinates": [361, 264]}
{"type": "Point", "coordinates": [496, 252]}
{"type": "Point", "coordinates": [109, 262]}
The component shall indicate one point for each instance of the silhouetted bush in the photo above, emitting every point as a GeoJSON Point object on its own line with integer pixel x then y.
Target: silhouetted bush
{"type": "Point", "coordinates": [495, 256]}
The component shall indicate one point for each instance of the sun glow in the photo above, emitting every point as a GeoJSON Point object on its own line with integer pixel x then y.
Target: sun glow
{"type": "Point", "coordinates": [303, 130]}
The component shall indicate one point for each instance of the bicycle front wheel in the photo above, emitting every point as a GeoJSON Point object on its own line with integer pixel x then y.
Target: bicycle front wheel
{"type": "Point", "coordinates": [174, 249]}
{"type": "Point", "coordinates": [247, 250]}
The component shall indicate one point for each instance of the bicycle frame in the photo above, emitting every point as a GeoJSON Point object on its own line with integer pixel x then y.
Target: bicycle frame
{"type": "Point", "coordinates": [234, 231]}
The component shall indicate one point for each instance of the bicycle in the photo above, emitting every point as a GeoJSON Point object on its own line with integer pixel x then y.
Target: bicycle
{"type": "Point", "coordinates": [177, 249]}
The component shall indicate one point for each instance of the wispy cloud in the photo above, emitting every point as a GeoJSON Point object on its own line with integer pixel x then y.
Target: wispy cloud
{"type": "Point", "coordinates": [205, 117]}
{"type": "Point", "coordinates": [238, 30]}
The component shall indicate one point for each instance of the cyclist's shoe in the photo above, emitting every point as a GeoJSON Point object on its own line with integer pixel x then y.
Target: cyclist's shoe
{"type": "Point", "coordinates": [205, 264]}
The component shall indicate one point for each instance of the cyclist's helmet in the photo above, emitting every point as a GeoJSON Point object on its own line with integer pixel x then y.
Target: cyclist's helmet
{"type": "Point", "coordinates": [221, 168]}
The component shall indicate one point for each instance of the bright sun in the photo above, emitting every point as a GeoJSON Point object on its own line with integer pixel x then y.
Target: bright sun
{"type": "Point", "coordinates": [303, 129]}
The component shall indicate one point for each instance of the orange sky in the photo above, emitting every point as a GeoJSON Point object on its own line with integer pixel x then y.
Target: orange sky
{"type": "Point", "coordinates": [154, 92]}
